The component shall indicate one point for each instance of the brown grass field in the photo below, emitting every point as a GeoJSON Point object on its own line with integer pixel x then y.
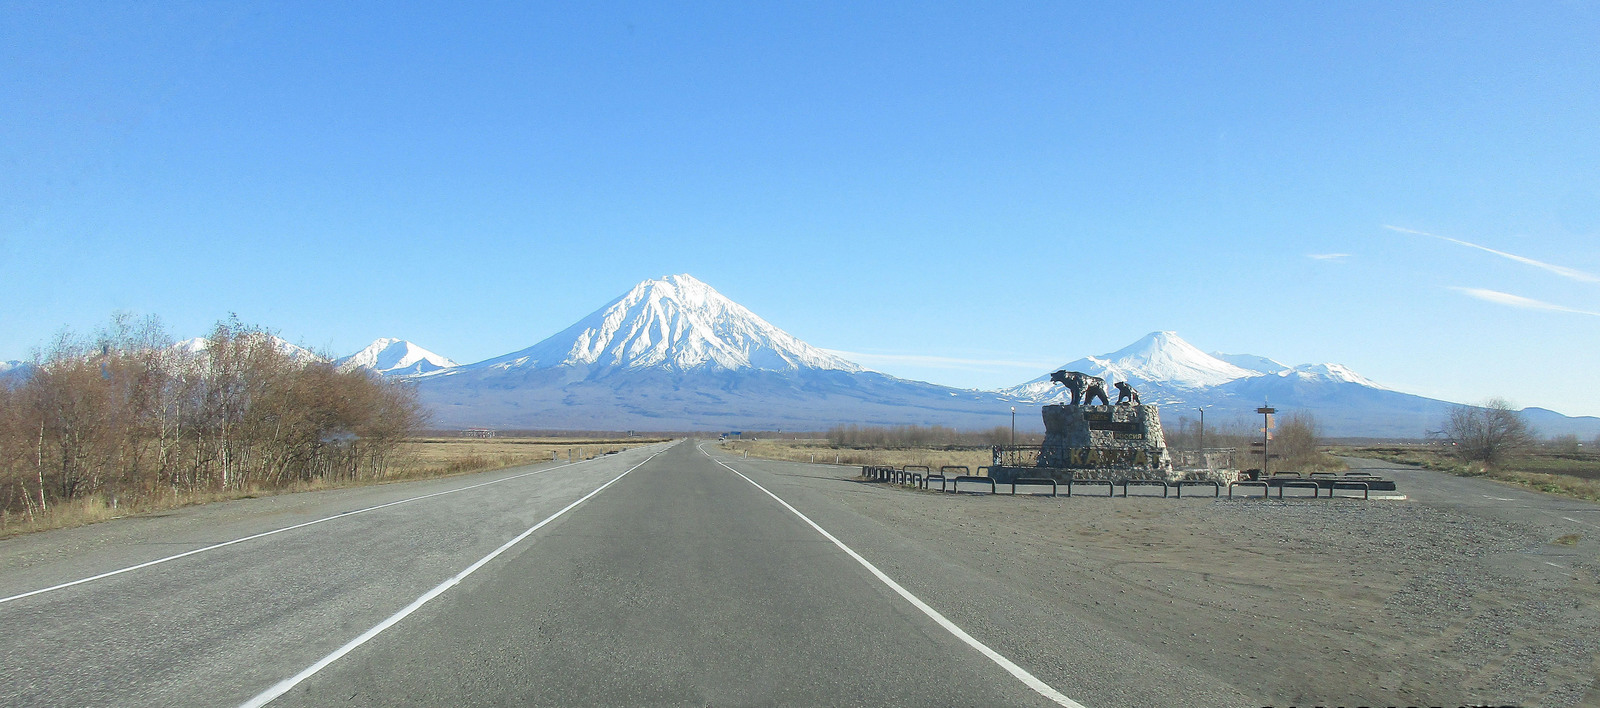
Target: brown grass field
{"type": "Point", "coordinates": [1568, 474]}
{"type": "Point", "coordinates": [819, 450]}
{"type": "Point", "coordinates": [422, 458]}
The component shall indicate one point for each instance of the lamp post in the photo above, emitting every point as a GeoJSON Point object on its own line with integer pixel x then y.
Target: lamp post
{"type": "Point", "coordinates": [1202, 432]}
{"type": "Point", "coordinates": [1013, 426]}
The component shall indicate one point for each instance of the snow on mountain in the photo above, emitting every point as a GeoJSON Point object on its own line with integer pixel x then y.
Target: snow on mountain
{"type": "Point", "coordinates": [676, 323]}
{"type": "Point", "coordinates": [1329, 372]}
{"type": "Point", "coordinates": [394, 357]}
{"type": "Point", "coordinates": [674, 354]}
{"type": "Point", "coordinates": [14, 371]}
{"type": "Point", "coordinates": [199, 345]}
{"type": "Point", "coordinates": [1253, 362]}
{"type": "Point", "coordinates": [1159, 360]}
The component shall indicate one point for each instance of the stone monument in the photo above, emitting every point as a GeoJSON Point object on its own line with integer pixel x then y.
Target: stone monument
{"type": "Point", "coordinates": [1101, 442]}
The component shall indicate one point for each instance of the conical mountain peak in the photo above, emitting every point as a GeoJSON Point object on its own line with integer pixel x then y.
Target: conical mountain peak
{"type": "Point", "coordinates": [388, 355]}
{"type": "Point", "coordinates": [674, 323]}
{"type": "Point", "coordinates": [1166, 357]}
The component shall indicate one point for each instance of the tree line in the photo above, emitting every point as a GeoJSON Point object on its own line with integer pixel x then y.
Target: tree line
{"type": "Point", "coordinates": [126, 415]}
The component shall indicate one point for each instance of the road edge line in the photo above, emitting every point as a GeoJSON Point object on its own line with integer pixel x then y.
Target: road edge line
{"type": "Point", "coordinates": [288, 684]}
{"type": "Point", "coordinates": [264, 534]}
{"type": "Point", "coordinates": [1021, 674]}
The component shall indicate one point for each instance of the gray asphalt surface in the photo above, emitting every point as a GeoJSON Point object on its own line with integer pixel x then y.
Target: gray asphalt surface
{"type": "Point", "coordinates": [218, 627]}
{"type": "Point", "coordinates": [681, 584]}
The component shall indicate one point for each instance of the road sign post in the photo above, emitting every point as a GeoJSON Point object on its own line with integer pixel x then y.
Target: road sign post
{"type": "Point", "coordinates": [1266, 435]}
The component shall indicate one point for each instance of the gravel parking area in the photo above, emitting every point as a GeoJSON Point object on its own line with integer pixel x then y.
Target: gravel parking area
{"type": "Point", "coordinates": [1302, 602]}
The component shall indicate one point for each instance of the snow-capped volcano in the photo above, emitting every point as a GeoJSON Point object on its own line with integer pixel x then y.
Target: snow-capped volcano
{"type": "Point", "coordinates": [1161, 359]}
{"type": "Point", "coordinates": [674, 354]}
{"type": "Point", "coordinates": [394, 357]}
{"type": "Point", "coordinates": [676, 323]}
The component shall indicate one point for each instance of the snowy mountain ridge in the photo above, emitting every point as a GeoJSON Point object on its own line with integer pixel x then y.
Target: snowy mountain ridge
{"type": "Point", "coordinates": [199, 345]}
{"type": "Point", "coordinates": [1160, 358]}
{"type": "Point", "coordinates": [394, 357]}
{"type": "Point", "coordinates": [675, 323]}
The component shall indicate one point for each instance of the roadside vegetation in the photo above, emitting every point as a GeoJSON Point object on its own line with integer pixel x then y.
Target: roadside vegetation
{"type": "Point", "coordinates": [888, 446]}
{"type": "Point", "coordinates": [123, 422]}
{"type": "Point", "coordinates": [1494, 441]}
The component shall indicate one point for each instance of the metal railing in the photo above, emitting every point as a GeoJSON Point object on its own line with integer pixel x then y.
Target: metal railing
{"type": "Point", "coordinates": [1033, 481]}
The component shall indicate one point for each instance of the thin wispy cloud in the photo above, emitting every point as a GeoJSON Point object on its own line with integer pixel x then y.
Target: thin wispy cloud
{"type": "Point", "coordinates": [938, 362]}
{"type": "Point", "coordinates": [1518, 301]}
{"type": "Point", "coordinates": [1562, 271]}
{"type": "Point", "coordinates": [1327, 256]}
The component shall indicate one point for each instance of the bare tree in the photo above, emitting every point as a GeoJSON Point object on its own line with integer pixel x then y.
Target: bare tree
{"type": "Point", "coordinates": [1296, 440]}
{"type": "Point", "coordinates": [1490, 433]}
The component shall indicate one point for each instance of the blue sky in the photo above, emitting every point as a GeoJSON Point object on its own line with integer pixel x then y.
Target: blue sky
{"type": "Point", "coordinates": [959, 192]}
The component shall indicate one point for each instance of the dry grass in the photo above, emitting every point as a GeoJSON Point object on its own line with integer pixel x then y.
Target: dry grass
{"type": "Point", "coordinates": [1569, 475]}
{"type": "Point", "coordinates": [821, 451]}
{"type": "Point", "coordinates": [423, 458]}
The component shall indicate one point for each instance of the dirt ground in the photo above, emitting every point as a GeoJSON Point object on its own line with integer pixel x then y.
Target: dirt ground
{"type": "Point", "coordinates": [1343, 602]}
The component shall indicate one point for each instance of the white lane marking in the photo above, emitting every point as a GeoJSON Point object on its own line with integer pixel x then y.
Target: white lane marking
{"type": "Point", "coordinates": [1575, 521]}
{"type": "Point", "coordinates": [285, 685]}
{"type": "Point", "coordinates": [1558, 566]}
{"type": "Point", "coordinates": [1020, 673]}
{"type": "Point", "coordinates": [264, 534]}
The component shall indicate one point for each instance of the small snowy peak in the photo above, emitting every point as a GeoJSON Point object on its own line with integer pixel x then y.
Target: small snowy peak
{"type": "Point", "coordinates": [1253, 362]}
{"type": "Point", "coordinates": [1167, 358]}
{"type": "Point", "coordinates": [1160, 358]}
{"type": "Point", "coordinates": [15, 370]}
{"type": "Point", "coordinates": [1337, 373]}
{"type": "Point", "coordinates": [674, 323]}
{"type": "Point", "coordinates": [395, 357]}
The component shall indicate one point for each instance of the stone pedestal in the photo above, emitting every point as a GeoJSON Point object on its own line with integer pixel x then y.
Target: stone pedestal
{"type": "Point", "coordinates": [1104, 437]}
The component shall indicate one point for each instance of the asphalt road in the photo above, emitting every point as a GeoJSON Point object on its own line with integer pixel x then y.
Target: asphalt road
{"type": "Point", "coordinates": [663, 578]}
{"type": "Point", "coordinates": [659, 576]}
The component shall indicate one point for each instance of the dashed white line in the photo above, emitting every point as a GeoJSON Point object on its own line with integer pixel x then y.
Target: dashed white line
{"type": "Point", "coordinates": [285, 685]}
{"type": "Point", "coordinates": [1010, 666]}
{"type": "Point", "coordinates": [264, 534]}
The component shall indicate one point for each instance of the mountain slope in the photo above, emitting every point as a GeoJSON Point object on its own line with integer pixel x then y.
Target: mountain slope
{"type": "Point", "coordinates": [1161, 365]}
{"type": "Point", "coordinates": [674, 354]}
{"type": "Point", "coordinates": [1251, 362]}
{"type": "Point", "coordinates": [676, 323]}
{"type": "Point", "coordinates": [394, 357]}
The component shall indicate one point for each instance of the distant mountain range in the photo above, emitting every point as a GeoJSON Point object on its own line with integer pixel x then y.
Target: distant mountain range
{"type": "Point", "coordinates": [675, 354]}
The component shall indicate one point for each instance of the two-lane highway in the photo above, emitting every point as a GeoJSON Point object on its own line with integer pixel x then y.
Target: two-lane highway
{"type": "Point", "coordinates": [683, 584]}
{"type": "Point", "coordinates": [655, 577]}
